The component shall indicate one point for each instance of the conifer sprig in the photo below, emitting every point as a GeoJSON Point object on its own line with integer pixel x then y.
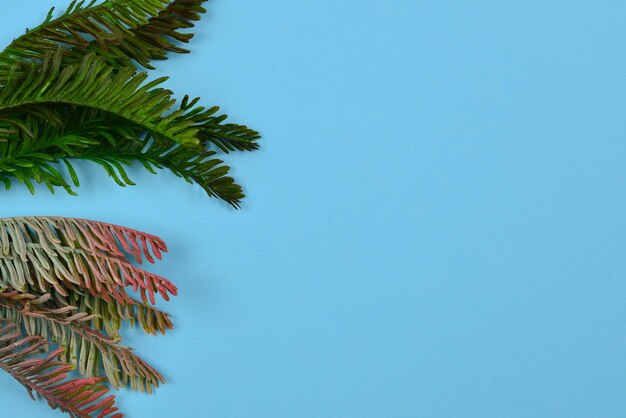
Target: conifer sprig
{"type": "Point", "coordinates": [47, 377]}
{"type": "Point", "coordinates": [122, 31]}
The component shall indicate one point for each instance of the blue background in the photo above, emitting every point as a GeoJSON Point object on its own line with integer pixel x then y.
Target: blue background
{"type": "Point", "coordinates": [435, 225]}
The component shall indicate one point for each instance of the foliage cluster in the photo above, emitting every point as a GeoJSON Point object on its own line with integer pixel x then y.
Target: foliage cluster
{"type": "Point", "coordinates": [72, 89]}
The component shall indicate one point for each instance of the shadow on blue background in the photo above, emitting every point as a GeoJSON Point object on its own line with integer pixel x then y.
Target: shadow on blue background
{"type": "Point", "coordinates": [435, 225]}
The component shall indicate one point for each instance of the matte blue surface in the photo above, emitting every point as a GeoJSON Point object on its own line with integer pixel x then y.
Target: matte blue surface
{"type": "Point", "coordinates": [435, 226]}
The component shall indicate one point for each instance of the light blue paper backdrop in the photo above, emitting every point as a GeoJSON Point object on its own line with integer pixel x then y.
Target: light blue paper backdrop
{"type": "Point", "coordinates": [435, 226]}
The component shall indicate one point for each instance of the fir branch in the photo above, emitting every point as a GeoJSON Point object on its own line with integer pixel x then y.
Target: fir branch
{"type": "Point", "coordinates": [212, 129]}
{"type": "Point", "coordinates": [108, 316]}
{"type": "Point", "coordinates": [119, 30]}
{"type": "Point", "coordinates": [59, 268]}
{"type": "Point", "coordinates": [56, 253]}
{"type": "Point", "coordinates": [151, 41]}
{"type": "Point", "coordinates": [83, 346]}
{"type": "Point", "coordinates": [97, 237]}
{"type": "Point", "coordinates": [115, 144]}
{"type": "Point", "coordinates": [92, 85]}
{"type": "Point", "coordinates": [48, 376]}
